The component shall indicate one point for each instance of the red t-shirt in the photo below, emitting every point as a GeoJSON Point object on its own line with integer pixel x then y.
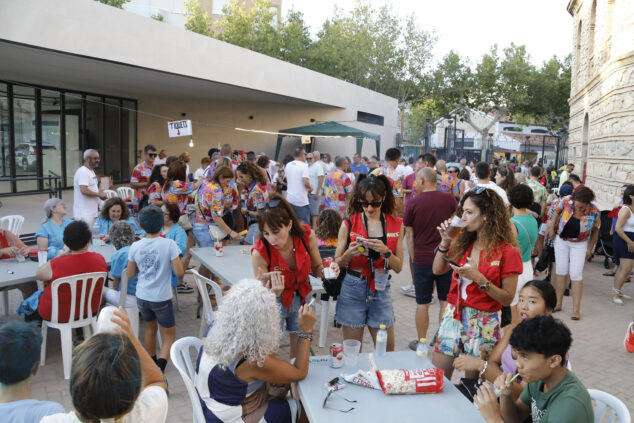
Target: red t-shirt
{"type": "Point", "coordinates": [70, 265]}
{"type": "Point", "coordinates": [408, 183]}
{"type": "Point", "coordinates": [424, 213]}
{"type": "Point", "coordinates": [503, 262]}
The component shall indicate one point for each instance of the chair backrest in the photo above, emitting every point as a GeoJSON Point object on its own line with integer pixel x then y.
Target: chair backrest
{"type": "Point", "coordinates": [202, 283]}
{"type": "Point", "coordinates": [87, 295]}
{"type": "Point", "coordinates": [126, 193]}
{"type": "Point", "coordinates": [12, 223]}
{"type": "Point", "coordinates": [607, 403]}
{"type": "Point", "coordinates": [123, 285]}
{"type": "Point", "coordinates": [180, 356]}
{"type": "Point", "coordinates": [110, 193]}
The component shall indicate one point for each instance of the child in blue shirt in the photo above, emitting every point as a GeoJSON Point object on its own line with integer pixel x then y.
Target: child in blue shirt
{"type": "Point", "coordinates": [122, 235]}
{"type": "Point", "coordinates": [153, 259]}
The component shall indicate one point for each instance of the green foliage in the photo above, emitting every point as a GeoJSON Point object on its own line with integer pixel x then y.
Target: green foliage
{"type": "Point", "coordinates": [158, 17]}
{"type": "Point", "coordinates": [114, 3]}
{"type": "Point", "coordinates": [198, 20]}
{"type": "Point", "coordinates": [415, 118]}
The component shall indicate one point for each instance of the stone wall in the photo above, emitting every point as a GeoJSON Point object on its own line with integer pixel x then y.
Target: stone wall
{"type": "Point", "coordinates": [603, 93]}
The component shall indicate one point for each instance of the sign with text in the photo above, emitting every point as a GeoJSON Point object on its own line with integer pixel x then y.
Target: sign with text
{"type": "Point", "coordinates": [305, 140]}
{"type": "Point", "coordinates": [179, 128]}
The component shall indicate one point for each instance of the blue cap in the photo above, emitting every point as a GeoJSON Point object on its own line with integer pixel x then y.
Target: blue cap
{"type": "Point", "coordinates": [565, 190]}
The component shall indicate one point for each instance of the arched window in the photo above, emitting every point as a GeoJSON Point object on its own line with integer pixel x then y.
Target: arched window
{"type": "Point", "coordinates": [609, 17]}
{"type": "Point", "coordinates": [578, 55]}
{"type": "Point", "coordinates": [591, 55]}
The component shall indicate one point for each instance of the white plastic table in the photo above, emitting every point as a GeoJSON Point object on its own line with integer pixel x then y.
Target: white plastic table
{"type": "Point", "coordinates": [373, 405]}
{"type": "Point", "coordinates": [235, 265]}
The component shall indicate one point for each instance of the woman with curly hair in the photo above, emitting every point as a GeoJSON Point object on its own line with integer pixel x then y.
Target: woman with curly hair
{"type": "Point", "coordinates": [157, 180]}
{"type": "Point", "coordinates": [258, 188]}
{"type": "Point", "coordinates": [505, 178]}
{"type": "Point", "coordinates": [488, 265]}
{"type": "Point", "coordinates": [114, 210]}
{"type": "Point", "coordinates": [239, 357]}
{"type": "Point", "coordinates": [327, 229]}
{"type": "Point", "coordinates": [370, 244]}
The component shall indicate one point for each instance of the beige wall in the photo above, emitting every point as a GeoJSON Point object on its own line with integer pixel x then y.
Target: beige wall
{"type": "Point", "coordinates": [603, 93]}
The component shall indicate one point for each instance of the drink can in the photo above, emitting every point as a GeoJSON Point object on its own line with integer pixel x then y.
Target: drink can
{"type": "Point", "coordinates": [218, 246]}
{"type": "Point", "coordinates": [336, 355]}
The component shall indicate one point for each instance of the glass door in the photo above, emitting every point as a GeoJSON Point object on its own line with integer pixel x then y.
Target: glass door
{"type": "Point", "coordinates": [5, 155]}
{"type": "Point", "coordinates": [51, 135]}
{"type": "Point", "coordinates": [72, 124]}
{"type": "Point", "coordinates": [24, 126]}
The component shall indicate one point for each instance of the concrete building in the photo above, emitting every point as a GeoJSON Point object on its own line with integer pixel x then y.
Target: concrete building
{"type": "Point", "coordinates": [602, 96]}
{"type": "Point", "coordinates": [78, 74]}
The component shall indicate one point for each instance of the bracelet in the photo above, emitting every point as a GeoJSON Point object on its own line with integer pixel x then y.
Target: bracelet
{"type": "Point", "coordinates": [482, 372]}
{"type": "Point", "coordinates": [305, 335]}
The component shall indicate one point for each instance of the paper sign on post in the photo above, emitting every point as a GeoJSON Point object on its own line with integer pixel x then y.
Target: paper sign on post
{"type": "Point", "coordinates": [305, 140]}
{"type": "Point", "coordinates": [179, 128]}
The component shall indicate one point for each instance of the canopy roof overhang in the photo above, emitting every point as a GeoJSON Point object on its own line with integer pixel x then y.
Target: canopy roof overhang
{"type": "Point", "coordinates": [329, 129]}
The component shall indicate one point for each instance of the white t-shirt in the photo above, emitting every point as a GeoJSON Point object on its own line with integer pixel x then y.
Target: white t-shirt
{"type": "Point", "coordinates": [328, 167]}
{"type": "Point", "coordinates": [150, 407]}
{"type": "Point", "coordinates": [492, 185]}
{"type": "Point", "coordinates": [296, 193]}
{"type": "Point", "coordinates": [85, 206]}
{"type": "Point", "coordinates": [407, 170]}
{"type": "Point", "coordinates": [158, 161]}
{"type": "Point", "coordinates": [198, 173]}
{"type": "Point", "coordinates": [153, 258]}
{"type": "Point", "coordinates": [315, 170]}
{"type": "Point", "coordinates": [28, 410]}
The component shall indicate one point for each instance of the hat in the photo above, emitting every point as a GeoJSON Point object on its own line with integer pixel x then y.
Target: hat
{"type": "Point", "coordinates": [454, 164]}
{"type": "Point", "coordinates": [49, 204]}
{"type": "Point", "coordinates": [565, 190]}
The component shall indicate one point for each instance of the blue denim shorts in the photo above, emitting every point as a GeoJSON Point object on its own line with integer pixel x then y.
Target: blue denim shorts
{"type": "Point", "coordinates": [163, 311]}
{"type": "Point", "coordinates": [289, 319]}
{"type": "Point", "coordinates": [253, 233]}
{"type": "Point", "coordinates": [358, 306]}
{"type": "Point", "coordinates": [201, 235]}
{"type": "Point", "coordinates": [424, 283]}
{"type": "Point", "coordinates": [302, 213]}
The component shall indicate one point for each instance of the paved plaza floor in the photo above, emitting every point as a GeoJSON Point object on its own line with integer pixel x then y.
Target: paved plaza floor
{"type": "Point", "coordinates": [597, 354]}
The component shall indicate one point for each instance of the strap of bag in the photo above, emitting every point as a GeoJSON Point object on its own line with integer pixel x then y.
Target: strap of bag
{"type": "Point", "coordinates": [527, 235]}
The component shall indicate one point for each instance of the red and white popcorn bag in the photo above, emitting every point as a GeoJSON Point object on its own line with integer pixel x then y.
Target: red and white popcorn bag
{"type": "Point", "coordinates": [403, 381]}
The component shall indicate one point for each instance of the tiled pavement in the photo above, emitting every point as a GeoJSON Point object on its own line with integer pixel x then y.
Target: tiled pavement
{"type": "Point", "coordinates": [597, 354]}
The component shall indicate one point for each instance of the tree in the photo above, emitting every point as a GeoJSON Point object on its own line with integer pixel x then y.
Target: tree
{"type": "Point", "coordinates": [198, 20]}
{"type": "Point", "coordinates": [114, 3]}
{"type": "Point", "coordinates": [549, 91]}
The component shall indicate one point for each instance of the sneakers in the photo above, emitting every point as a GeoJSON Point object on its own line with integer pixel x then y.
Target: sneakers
{"type": "Point", "coordinates": [629, 338]}
{"type": "Point", "coordinates": [184, 288]}
{"type": "Point", "coordinates": [408, 290]}
{"type": "Point", "coordinates": [618, 296]}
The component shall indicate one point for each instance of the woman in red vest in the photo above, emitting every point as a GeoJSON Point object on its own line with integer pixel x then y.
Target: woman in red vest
{"type": "Point", "coordinates": [283, 256]}
{"type": "Point", "coordinates": [370, 244]}
{"type": "Point", "coordinates": [484, 280]}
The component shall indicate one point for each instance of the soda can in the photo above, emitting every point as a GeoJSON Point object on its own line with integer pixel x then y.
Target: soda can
{"type": "Point", "coordinates": [336, 355]}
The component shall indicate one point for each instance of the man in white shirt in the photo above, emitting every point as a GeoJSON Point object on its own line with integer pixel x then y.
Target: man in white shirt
{"type": "Point", "coordinates": [297, 178]}
{"type": "Point", "coordinates": [483, 173]}
{"type": "Point", "coordinates": [162, 158]}
{"type": "Point", "coordinates": [86, 189]}
{"type": "Point", "coordinates": [316, 179]}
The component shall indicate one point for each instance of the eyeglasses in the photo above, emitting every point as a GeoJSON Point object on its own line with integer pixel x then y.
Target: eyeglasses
{"type": "Point", "coordinates": [152, 154]}
{"type": "Point", "coordinates": [374, 204]}
{"type": "Point", "coordinates": [271, 204]}
{"type": "Point", "coordinates": [452, 171]}
{"type": "Point", "coordinates": [309, 158]}
{"type": "Point", "coordinates": [479, 189]}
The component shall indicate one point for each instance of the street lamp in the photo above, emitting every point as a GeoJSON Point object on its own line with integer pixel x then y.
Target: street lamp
{"type": "Point", "coordinates": [526, 147]}
{"type": "Point", "coordinates": [427, 135]}
{"type": "Point", "coordinates": [489, 154]}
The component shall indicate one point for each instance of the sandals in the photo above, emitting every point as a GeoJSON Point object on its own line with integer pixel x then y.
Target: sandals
{"type": "Point", "coordinates": [576, 316]}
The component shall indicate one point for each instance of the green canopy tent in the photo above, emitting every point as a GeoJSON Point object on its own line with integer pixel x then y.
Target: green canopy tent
{"type": "Point", "coordinates": [328, 129]}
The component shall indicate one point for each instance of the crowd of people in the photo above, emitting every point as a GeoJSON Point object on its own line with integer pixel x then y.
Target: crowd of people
{"type": "Point", "coordinates": [475, 233]}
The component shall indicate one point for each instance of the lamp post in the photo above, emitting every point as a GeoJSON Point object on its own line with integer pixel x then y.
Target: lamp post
{"type": "Point", "coordinates": [489, 155]}
{"type": "Point", "coordinates": [526, 147]}
{"type": "Point", "coordinates": [427, 135]}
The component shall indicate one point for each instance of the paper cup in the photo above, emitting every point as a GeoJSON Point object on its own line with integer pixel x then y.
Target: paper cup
{"type": "Point", "coordinates": [42, 257]}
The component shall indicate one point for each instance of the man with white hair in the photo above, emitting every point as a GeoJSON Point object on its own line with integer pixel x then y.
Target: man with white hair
{"type": "Point", "coordinates": [86, 189]}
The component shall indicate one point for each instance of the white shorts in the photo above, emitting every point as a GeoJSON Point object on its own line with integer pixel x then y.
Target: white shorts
{"type": "Point", "coordinates": [527, 275]}
{"type": "Point", "coordinates": [570, 257]}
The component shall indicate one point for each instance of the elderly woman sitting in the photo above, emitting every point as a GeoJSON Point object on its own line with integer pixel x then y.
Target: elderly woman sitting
{"type": "Point", "coordinates": [50, 234]}
{"type": "Point", "coordinates": [114, 210]}
{"type": "Point", "coordinates": [122, 236]}
{"type": "Point", "coordinates": [239, 356]}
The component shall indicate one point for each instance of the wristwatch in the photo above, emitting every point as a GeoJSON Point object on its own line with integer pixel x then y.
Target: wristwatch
{"type": "Point", "coordinates": [387, 254]}
{"type": "Point", "coordinates": [484, 286]}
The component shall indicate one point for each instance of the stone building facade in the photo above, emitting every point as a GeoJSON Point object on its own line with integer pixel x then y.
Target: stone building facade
{"type": "Point", "coordinates": [601, 143]}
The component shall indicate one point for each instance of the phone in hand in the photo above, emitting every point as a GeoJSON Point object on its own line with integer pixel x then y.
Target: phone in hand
{"type": "Point", "coordinates": [450, 261]}
{"type": "Point", "coordinates": [360, 240]}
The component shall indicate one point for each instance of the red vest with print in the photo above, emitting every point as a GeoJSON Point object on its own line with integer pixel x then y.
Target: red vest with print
{"type": "Point", "coordinates": [294, 280]}
{"type": "Point", "coordinates": [4, 243]}
{"type": "Point", "coordinates": [392, 227]}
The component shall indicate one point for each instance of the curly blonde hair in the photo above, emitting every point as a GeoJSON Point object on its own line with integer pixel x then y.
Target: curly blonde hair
{"type": "Point", "coordinates": [495, 229]}
{"type": "Point", "coordinates": [328, 224]}
{"type": "Point", "coordinates": [246, 325]}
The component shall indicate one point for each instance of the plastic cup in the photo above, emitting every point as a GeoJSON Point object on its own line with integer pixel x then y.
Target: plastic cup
{"type": "Point", "coordinates": [381, 279]}
{"type": "Point", "coordinates": [351, 348]}
{"type": "Point", "coordinates": [218, 247]}
{"type": "Point", "coordinates": [19, 257]}
{"type": "Point", "coordinates": [42, 257]}
{"type": "Point", "coordinates": [455, 227]}
{"type": "Point", "coordinates": [104, 322]}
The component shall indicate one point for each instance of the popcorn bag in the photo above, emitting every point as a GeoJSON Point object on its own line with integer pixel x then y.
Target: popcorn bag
{"type": "Point", "coordinates": [402, 381]}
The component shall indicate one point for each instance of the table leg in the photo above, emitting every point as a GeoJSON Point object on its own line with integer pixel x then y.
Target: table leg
{"type": "Point", "coordinates": [4, 299]}
{"type": "Point", "coordinates": [323, 321]}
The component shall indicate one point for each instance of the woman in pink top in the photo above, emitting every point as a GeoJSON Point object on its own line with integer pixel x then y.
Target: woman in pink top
{"type": "Point", "coordinates": [536, 298]}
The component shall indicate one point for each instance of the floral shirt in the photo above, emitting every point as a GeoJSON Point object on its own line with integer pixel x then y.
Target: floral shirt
{"type": "Point", "coordinates": [231, 195]}
{"type": "Point", "coordinates": [178, 193]}
{"type": "Point", "coordinates": [445, 183]}
{"type": "Point", "coordinates": [539, 192]}
{"type": "Point", "coordinates": [589, 221]}
{"type": "Point", "coordinates": [209, 202]}
{"type": "Point", "coordinates": [396, 178]}
{"type": "Point", "coordinates": [257, 193]}
{"type": "Point", "coordinates": [140, 174]}
{"type": "Point", "coordinates": [335, 187]}
{"type": "Point", "coordinates": [154, 192]}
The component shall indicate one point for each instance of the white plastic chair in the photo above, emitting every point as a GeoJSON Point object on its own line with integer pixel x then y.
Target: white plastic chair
{"type": "Point", "coordinates": [96, 279]}
{"type": "Point", "coordinates": [179, 354]}
{"type": "Point", "coordinates": [607, 403]}
{"type": "Point", "coordinates": [208, 312]}
{"type": "Point", "coordinates": [126, 193]}
{"type": "Point", "coordinates": [132, 310]}
{"type": "Point", "coordinates": [110, 193]}
{"type": "Point", "coordinates": [12, 223]}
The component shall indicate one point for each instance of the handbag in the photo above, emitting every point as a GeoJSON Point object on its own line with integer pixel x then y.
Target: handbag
{"type": "Point", "coordinates": [468, 387]}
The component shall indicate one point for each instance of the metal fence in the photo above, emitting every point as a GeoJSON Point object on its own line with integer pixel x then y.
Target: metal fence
{"type": "Point", "coordinates": [52, 185]}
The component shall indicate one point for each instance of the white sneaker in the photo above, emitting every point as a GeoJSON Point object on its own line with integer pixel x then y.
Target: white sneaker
{"type": "Point", "coordinates": [617, 300]}
{"type": "Point", "coordinates": [407, 288]}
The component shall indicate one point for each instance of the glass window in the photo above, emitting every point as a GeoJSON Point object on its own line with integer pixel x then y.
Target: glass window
{"type": "Point", "coordinates": [112, 159]}
{"type": "Point", "coordinates": [24, 123]}
{"type": "Point", "coordinates": [93, 135]}
{"type": "Point", "coordinates": [5, 157]}
{"type": "Point", "coordinates": [51, 135]}
{"type": "Point", "coordinates": [72, 120]}
{"type": "Point", "coordinates": [128, 144]}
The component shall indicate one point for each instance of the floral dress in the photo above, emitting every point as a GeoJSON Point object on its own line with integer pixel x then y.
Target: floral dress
{"type": "Point", "coordinates": [335, 187]}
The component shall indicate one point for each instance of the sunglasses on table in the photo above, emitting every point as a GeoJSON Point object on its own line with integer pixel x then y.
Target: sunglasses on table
{"type": "Point", "coordinates": [271, 204]}
{"type": "Point", "coordinates": [374, 204]}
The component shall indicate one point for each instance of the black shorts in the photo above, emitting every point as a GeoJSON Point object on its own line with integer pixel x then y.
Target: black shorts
{"type": "Point", "coordinates": [424, 283]}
